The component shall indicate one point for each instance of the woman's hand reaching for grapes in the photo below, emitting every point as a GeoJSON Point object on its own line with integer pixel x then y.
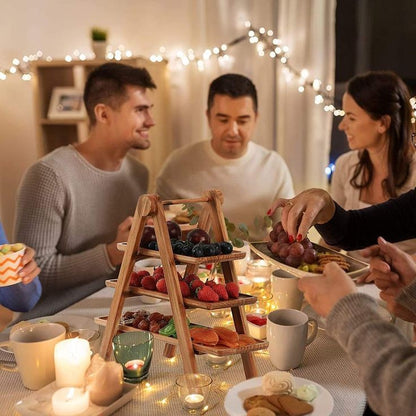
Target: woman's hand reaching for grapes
{"type": "Point", "coordinates": [310, 207]}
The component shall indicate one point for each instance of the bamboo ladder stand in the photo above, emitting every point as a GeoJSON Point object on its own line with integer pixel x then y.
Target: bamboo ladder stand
{"type": "Point", "coordinates": [211, 215]}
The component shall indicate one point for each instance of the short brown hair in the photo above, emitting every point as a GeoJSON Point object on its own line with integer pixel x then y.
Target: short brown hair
{"type": "Point", "coordinates": [107, 85]}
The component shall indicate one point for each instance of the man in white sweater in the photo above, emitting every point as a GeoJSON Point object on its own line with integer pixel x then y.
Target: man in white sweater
{"type": "Point", "coordinates": [77, 202]}
{"type": "Point", "coordinates": [249, 176]}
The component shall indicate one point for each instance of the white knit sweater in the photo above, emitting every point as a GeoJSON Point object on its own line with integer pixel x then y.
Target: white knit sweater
{"type": "Point", "coordinates": [249, 184]}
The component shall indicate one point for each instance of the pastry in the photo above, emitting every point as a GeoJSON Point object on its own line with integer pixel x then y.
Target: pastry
{"type": "Point", "coordinates": [244, 339]}
{"type": "Point", "coordinates": [277, 382]}
{"type": "Point", "coordinates": [293, 406]}
{"type": "Point", "coordinates": [260, 411]}
{"type": "Point", "coordinates": [259, 400]}
{"type": "Point", "coordinates": [205, 336]}
{"type": "Point", "coordinates": [227, 337]}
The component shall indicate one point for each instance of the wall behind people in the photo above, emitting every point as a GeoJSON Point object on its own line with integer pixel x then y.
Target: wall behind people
{"type": "Point", "coordinates": [58, 28]}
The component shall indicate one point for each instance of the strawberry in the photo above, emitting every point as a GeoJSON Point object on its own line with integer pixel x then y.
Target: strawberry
{"type": "Point", "coordinates": [206, 294]}
{"type": "Point", "coordinates": [232, 290]}
{"type": "Point", "coordinates": [221, 291]}
{"type": "Point", "coordinates": [210, 282]}
{"type": "Point", "coordinates": [195, 284]}
{"type": "Point", "coordinates": [136, 277]}
{"type": "Point", "coordinates": [149, 283]}
{"type": "Point", "coordinates": [189, 277]}
{"type": "Point", "coordinates": [161, 285]}
{"type": "Point", "coordinates": [185, 290]}
{"type": "Point", "coordinates": [158, 273]}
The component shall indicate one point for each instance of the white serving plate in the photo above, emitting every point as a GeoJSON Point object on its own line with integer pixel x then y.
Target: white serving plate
{"type": "Point", "coordinates": [357, 267]}
{"type": "Point", "coordinates": [39, 403]}
{"type": "Point", "coordinates": [323, 404]}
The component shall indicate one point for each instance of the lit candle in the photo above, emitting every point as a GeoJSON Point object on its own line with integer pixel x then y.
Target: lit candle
{"type": "Point", "coordinates": [72, 358]}
{"type": "Point", "coordinates": [133, 368]}
{"type": "Point", "coordinates": [70, 401]}
{"type": "Point", "coordinates": [194, 401]}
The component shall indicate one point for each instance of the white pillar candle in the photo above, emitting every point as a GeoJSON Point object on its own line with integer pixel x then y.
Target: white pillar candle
{"type": "Point", "coordinates": [70, 401]}
{"type": "Point", "coordinates": [72, 358]}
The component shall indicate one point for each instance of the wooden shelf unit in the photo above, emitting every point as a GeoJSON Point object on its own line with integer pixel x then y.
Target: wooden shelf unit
{"type": "Point", "coordinates": [211, 217]}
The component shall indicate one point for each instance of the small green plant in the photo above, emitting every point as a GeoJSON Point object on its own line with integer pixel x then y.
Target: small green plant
{"type": "Point", "coordinates": [98, 34]}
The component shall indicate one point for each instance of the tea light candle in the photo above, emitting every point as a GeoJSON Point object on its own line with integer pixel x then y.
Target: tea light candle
{"type": "Point", "coordinates": [70, 401]}
{"type": "Point", "coordinates": [134, 367]}
{"type": "Point", "coordinates": [194, 401]}
{"type": "Point", "coordinates": [72, 358]}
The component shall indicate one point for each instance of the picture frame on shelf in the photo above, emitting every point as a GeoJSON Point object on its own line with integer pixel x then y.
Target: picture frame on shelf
{"type": "Point", "coordinates": [66, 103]}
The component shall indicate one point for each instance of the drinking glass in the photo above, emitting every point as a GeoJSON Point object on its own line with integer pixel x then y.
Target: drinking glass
{"type": "Point", "coordinates": [193, 391]}
{"type": "Point", "coordinates": [134, 351]}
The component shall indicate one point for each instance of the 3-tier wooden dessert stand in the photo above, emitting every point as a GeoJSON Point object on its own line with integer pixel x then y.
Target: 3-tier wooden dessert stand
{"type": "Point", "coordinates": [210, 218]}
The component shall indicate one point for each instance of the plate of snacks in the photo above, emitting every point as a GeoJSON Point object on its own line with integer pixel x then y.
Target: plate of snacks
{"type": "Point", "coordinates": [304, 258]}
{"type": "Point", "coordinates": [278, 392]}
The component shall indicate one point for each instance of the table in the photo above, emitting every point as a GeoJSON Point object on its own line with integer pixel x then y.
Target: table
{"type": "Point", "coordinates": [324, 362]}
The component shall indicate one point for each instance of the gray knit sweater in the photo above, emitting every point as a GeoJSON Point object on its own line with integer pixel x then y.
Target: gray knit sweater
{"type": "Point", "coordinates": [385, 358]}
{"type": "Point", "coordinates": [68, 210]}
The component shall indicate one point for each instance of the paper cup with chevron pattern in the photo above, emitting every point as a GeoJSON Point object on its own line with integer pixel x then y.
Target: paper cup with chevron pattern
{"type": "Point", "coordinates": [10, 263]}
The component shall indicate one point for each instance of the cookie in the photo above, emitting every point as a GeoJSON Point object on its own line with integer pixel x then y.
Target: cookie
{"type": "Point", "coordinates": [260, 411]}
{"type": "Point", "coordinates": [293, 406]}
{"type": "Point", "coordinates": [259, 400]}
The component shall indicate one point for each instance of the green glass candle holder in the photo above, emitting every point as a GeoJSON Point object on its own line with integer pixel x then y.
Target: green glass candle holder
{"type": "Point", "coordinates": [134, 351]}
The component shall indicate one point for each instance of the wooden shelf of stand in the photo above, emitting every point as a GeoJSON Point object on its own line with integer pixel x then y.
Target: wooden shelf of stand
{"type": "Point", "coordinates": [219, 350]}
{"type": "Point", "coordinates": [211, 218]}
{"type": "Point", "coordinates": [242, 300]}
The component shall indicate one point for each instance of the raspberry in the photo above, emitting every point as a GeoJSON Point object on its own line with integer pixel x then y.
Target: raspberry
{"type": "Point", "coordinates": [158, 273]}
{"type": "Point", "coordinates": [221, 291]}
{"type": "Point", "coordinates": [161, 285]}
{"type": "Point", "coordinates": [149, 283]}
{"type": "Point", "coordinates": [136, 277]}
{"type": "Point", "coordinates": [206, 294]}
{"type": "Point", "coordinates": [232, 290]}
{"type": "Point", "coordinates": [185, 290]}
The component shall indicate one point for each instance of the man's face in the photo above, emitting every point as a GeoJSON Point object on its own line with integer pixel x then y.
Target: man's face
{"type": "Point", "coordinates": [232, 122]}
{"type": "Point", "coordinates": [132, 121]}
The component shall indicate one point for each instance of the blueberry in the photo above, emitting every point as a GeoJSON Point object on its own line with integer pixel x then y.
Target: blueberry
{"type": "Point", "coordinates": [217, 249]}
{"type": "Point", "coordinates": [178, 246]}
{"type": "Point", "coordinates": [187, 248]}
{"type": "Point", "coordinates": [226, 247]}
{"type": "Point", "coordinates": [209, 250]}
{"type": "Point", "coordinates": [198, 250]}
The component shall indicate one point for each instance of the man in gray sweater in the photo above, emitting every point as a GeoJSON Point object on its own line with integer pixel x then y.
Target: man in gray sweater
{"type": "Point", "coordinates": [77, 202]}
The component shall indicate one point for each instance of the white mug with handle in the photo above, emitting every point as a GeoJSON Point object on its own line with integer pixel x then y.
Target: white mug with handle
{"type": "Point", "coordinates": [286, 294]}
{"type": "Point", "coordinates": [289, 331]}
{"type": "Point", "coordinates": [33, 347]}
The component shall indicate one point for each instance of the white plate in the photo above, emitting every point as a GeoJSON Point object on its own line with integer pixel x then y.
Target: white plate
{"type": "Point", "coordinates": [357, 267]}
{"type": "Point", "coordinates": [74, 322]}
{"type": "Point", "coordinates": [39, 403]}
{"type": "Point", "coordinates": [233, 403]}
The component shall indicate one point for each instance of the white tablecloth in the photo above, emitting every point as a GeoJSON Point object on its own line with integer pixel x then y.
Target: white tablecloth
{"type": "Point", "coordinates": [324, 363]}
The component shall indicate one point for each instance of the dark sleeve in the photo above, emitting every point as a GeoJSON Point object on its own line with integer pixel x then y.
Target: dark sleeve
{"type": "Point", "coordinates": [394, 220]}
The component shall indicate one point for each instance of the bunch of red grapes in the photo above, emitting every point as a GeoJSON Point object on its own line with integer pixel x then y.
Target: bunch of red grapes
{"type": "Point", "coordinates": [293, 254]}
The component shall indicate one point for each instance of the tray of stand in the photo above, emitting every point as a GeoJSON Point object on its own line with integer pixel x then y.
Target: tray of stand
{"type": "Point", "coordinates": [235, 255]}
{"type": "Point", "coordinates": [219, 350]}
{"type": "Point", "coordinates": [242, 300]}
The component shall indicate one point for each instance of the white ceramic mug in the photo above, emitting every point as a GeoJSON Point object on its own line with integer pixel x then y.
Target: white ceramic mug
{"type": "Point", "coordinates": [287, 334]}
{"type": "Point", "coordinates": [286, 294]}
{"type": "Point", "coordinates": [33, 346]}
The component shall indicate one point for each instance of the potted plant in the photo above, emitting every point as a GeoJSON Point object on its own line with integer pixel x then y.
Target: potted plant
{"type": "Point", "coordinates": [99, 42]}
